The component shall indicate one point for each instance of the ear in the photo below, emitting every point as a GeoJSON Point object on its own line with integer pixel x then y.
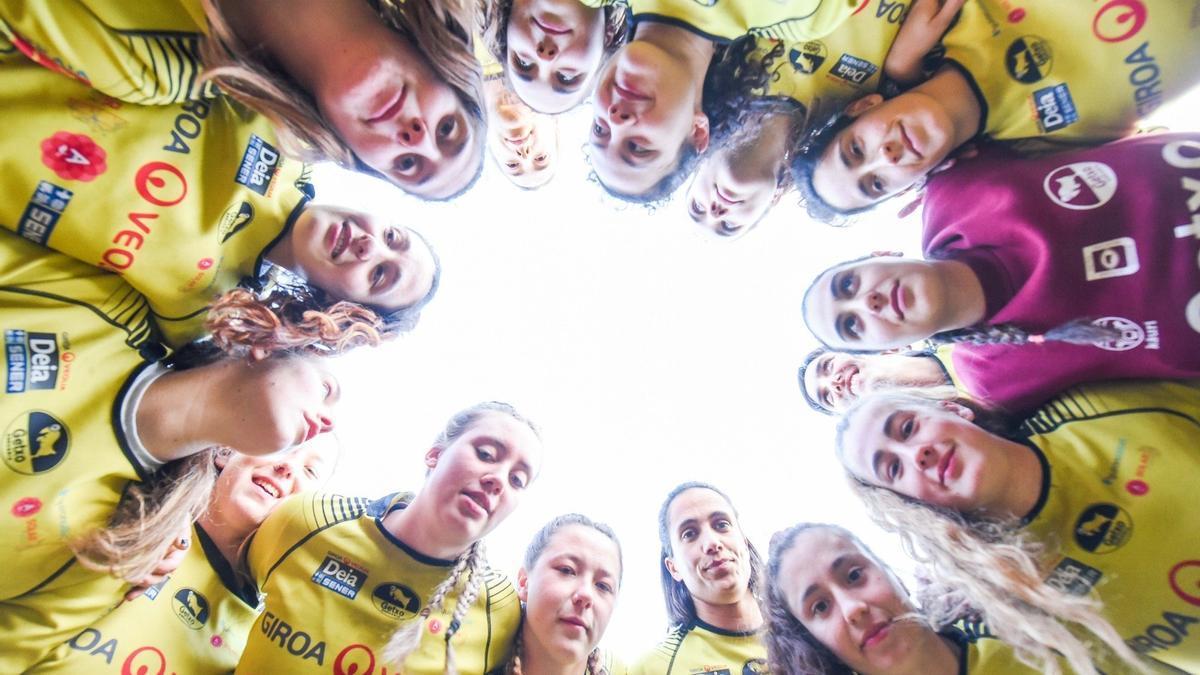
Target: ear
{"type": "Point", "coordinates": [432, 456]}
{"type": "Point", "coordinates": [699, 136]}
{"type": "Point", "coordinates": [960, 410]}
{"type": "Point", "coordinates": [882, 254]}
{"type": "Point", "coordinates": [522, 585]}
{"type": "Point", "coordinates": [671, 568]}
{"type": "Point", "coordinates": [863, 104]}
{"type": "Point", "coordinates": [259, 354]}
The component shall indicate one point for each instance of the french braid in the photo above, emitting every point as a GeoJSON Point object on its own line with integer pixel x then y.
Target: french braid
{"type": "Point", "coordinates": [1077, 332]}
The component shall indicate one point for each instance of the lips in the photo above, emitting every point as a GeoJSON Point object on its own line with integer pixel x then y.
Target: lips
{"type": "Point", "coordinates": [338, 239]}
{"type": "Point", "coordinates": [311, 429]}
{"type": "Point", "coordinates": [268, 487]}
{"type": "Point", "coordinates": [908, 141]}
{"type": "Point", "coordinates": [391, 108]}
{"type": "Point", "coordinates": [574, 621]}
{"type": "Point", "coordinates": [875, 634]}
{"type": "Point", "coordinates": [629, 93]}
{"type": "Point", "coordinates": [850, 378]}
{"type": "Point", "coordinates": [944, 466]}
{"type": "Point", "coordinates": [726, 198]}
{"type": "Point", "coordinates": [896, 300]}
{"type": "Point", "coordinates": [551, 26]}
{"type": "Point", "coordinates": [479, 501]}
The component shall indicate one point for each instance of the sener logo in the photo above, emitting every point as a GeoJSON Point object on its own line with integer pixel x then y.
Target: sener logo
{"type": "Point", "coordinates": [1055, 108]}
{"type": "Point", "coordinates": [340, 576]}
{"type": "Point", "coordinates": [1081, 186]}
{"type": "Point", "coordinates": [260, 163]}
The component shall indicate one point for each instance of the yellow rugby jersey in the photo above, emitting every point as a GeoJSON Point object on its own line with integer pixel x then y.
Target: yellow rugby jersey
{"type": "Point", "coordinates": [1074, 72]}
{"type": "Point", "coordinates": [483, 641]}
{"type": "Point", "coordinates": [825, 74]}
{"type": "Point", "coordinates": [196, 622]}
{"type": "Point", "coordinates": [140, 52]}
{"type": "Point", "coordinates": [725, 20]}
{"type": "Point", "coordinates": [71, 345]}
{"type": "Point", "coordinates": [1122, 461]}
{"type": "Point", "coordinates": [982, 653]}
{"type": "Point", "coordinates": [703, 648]}
{"type": "Point", "coordinates": [337, 587]}
{"type": "Point", "coordinates": [182, 200]}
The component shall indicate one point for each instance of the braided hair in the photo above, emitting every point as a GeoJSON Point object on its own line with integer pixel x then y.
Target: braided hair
{"type": "Point", "coordinates": [1077, 332]}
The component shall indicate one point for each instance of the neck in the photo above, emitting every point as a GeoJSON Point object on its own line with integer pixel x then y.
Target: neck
{"type": "Point", "coordinates": [740, 617]}
{"type": "Point", "coordinates": [283, 253]}
{"type": "Point", "coordinates": [535, 661]}
{"type": "Point", "coordinates": [954, 93]}
{"type": "Point", "coordinates": [1022, 492]}
{"type": "Point", "coordinates": [227, 534]}
{"type": "Point", "coordinates": [185, 412]}
{"type": "Point", "coordinates": [692, 52]}
{"type": "Point", "coordinates": [411, 526]}
{"type": "Point", "coordinates": [912, 371]}
{"type": "Point", "coordinates": [938, 656]}
{"type": "Point", "coordinates": [965, 304]}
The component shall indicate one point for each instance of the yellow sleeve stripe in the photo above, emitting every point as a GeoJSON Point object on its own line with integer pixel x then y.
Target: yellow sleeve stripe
{"type": "Point", "coordinates": [1075, 405]}
{"type": "Point", "coordinates": [324, 512]}
{"type": "Point", "coordinates": [174, 59]}
{"type": "Point", "coordinates": [124, 309]}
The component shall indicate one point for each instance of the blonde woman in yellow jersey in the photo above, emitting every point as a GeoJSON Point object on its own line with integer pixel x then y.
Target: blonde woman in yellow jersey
{"type": "Point", "coordinates": [1042, 76]}
{"type": "Point", "coordinates": [356, 586]}
{"type": "Point", "coordinates": [401, 98]}
{"type": "Point", "coordinates": [742, 179]}
{"type": "Point", "coordinates": [1073, 525]}
{"type": "Point", "coordinates": [195, 620]}
{"type": "Point", "coordinates": [568, 583]}
{"type": "Point", "coordinates": [710, 577]}
{"type": "Point", "coordinates": [188, 200]}
{"type": "Point", "coordinates": [832, 607]}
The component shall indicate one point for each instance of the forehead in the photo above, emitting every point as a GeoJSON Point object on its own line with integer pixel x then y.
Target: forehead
{"type": "Point", "coordinates": [586, 543]}
{"type": "Point", "coordinates": [418, 276]}
{"type": "Point", "coordinates": [865, 434]}
{"type": "Point", "coordinates": [696, 504]}
{"type": "Point", "coordinates": [812, 375]}
{"type": "Point", "coordinates": [811, 558]}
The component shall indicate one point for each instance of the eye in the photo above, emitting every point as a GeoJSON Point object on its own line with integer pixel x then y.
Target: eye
{"type": "Point", "coordinates": [541, 158]}
{"type": "Point", "coordinates": [566, 570]}
{"type": "Point", "coordinates": [827, 366]}
{"type": "Point", "coordinates": [729, 228]}
{"type": "Point", "coordinates": [568, 79]}
{"type": "Point", "coordinates": [521, 64]}
{"type": "Point", "coordinates": [512, 164]}
{"type": "Point", "coordinates": [877, 185]}
{"type": "Point", "coordinates": [408, 165]}
{"type": "Point", "coordinates": [518, 480]}
{"type": "Point", "coordinates": [391, 236]}
{"type": "Point", "coordinates": [605, 587]}
{"type": "Point", "coordinates": [599, 130]}
{"type": "Point", "coordinates": [312, 473]}
{"type": "Point", "coordinates": [855, 574]}
{"type": "Point", "coordinates": [688, 534]}
{"type": "Point", "coordinates": [856, 150]}
{"type": "Point", "coordinates": [485, 452]}
{"type": "Point", "coordinates": [851, 326]}
{"type": "Point", "coordinates": [819, 608]}
{"type": "Point", "coordinates": [697, 208]}
{"type": "Point", "coordinates": [847, 284]}
{"type": "Point", "coordinates": [447, 127]}
{"type": "Point", "coordinates": [722, 525]}
{"type": "Point", "coordinates": [378, 274]}
{"type": "Point", "coordinates": [892, 470]}
{"type": "Point", "coordinates": [907, 427]}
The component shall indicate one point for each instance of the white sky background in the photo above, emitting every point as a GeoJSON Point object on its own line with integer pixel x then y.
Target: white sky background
{"type": "Point", "coordinates": [649, 352]}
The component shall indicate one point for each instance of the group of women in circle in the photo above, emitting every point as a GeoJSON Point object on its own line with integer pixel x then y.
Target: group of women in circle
{"type": "Point", "coordinates": [171, 288]}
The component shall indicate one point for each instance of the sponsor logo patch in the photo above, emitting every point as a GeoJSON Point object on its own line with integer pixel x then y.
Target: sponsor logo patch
{"type": "Point", "coordinates": [853, 69]}
{"type": "Point", "coordinates": [396, 600]}
{"type": "Point", "coordinates": [260, 163]}
{"type": "Point", "coordinates": [43, 211]}
{"type": "Point", "coordinates": [1055, 108]}
{"type": "Point", "coordinates": [190, 607]}
{"type": "Point", "coordinates": [1028, 59]}
{"type": "Point", "coordinates": [1113, 258]}
{"type": "Point", "coordinates": [35, 443]}
{"type": "Point", "coordinates": [340, 576]}
{"type": "Point", "coordinates": [1081, 186]}
{"type": "Point", "coordinates": [808, 57]}
{"type": "Point", "coordinates": [1132, 335]}
{"type": "Point", "coordinates": [755, 667]}
{"type": "Point", "coordinates": [234, 220]}
{"type": "Point", "coordinates": [1103, 528]}
{"type": "Point", "coordinates": [1185, 581]}
{"type": "Point", "coordinates": [26, 507]}
{"type": "Point", "coordinates": [31, 359]}
{"type": "Point", "coordinates": [74, 156]}
{"type": "Point", "coordinates": [1074, 577]}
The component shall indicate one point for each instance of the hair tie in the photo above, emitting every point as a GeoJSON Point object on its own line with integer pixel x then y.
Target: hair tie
{"type": "Point", "coordinates": [1037, 339]}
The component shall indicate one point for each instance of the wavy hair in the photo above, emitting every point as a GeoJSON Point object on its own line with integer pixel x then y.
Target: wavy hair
{"type": "Point", "coordinates": [441, 29]}
{"type": "Point", "coordinates": [992, 568]}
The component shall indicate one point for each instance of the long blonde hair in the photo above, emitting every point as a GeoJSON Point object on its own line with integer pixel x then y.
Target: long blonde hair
{"type": "Point", "coordinates": [441, 29]}
{"type": "Point", "coordinates": [994, 569]}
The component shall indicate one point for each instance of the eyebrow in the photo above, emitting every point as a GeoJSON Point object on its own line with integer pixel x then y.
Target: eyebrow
{"type": "Point", "coordinates": [813, 588]}
{"type": "Point", "coordinates": [504, 450]}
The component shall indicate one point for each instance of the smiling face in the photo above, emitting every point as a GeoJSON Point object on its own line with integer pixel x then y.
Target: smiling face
{"type": "Point", "coordinates": [931, 452]}
{"type": "Point", "coordinates": [570, 594]}
{"type": "Point", "coordinates": [482, 475]}
{"type": "Point", "coordinates": [876, 304]}
{"type": "Point", "coordinates": [352, 255]}
{"type": "Point", "coordinates": [281, 403]}
{"type": "Point", "coordinates": [734, 189]}
{"type": "Point", "coordinates": [645, 109]}
{"type": "Point", "coordinates": [888, 147]}
{"type": "Point", "coordinates": [554, 51]}
{"type": "Point", "coordinates": [523, 143]}
{"type": "Point", "coordinates": [397, 115]}
{"type": "Point", "coordinates": [850, 604]}
{"type": "Point", "coordinates": [709, 553]}
{"type": "Point", "coordinates": [836, 379]}
{"type": "Point", "coordinates": [249, 488]}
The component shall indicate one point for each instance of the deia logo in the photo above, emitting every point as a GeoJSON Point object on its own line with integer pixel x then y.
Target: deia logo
{"type": "Point", "coordinates": [259, 165]}
{"type": "Point", "coordinates": [190, 607]}
{"type": "Point", "coordinates": [32, 360]}
{"type": "Point", "coordinates": [35, 443]}
{"type": "Point", "coordinates": [1081, 186]}
{"type": "Point", "coordinates": [808, 57]}
{"type": "Point", "coordinates": [1073, 577]}
{"type": "Point", "coordinates": [1055, 108]}
{"type": "Point", "coordinates": [853, 69]}
{"type": "Point", "coordinates": [340, 576]}
{"type": "Point", "coordinates": [396, 600]}
{"type": "Point", "coordinates": [1103, 528]}
{"type": "Point", "coordinates": [1028, 59]}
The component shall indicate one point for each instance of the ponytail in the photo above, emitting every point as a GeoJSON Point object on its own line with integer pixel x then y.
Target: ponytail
{"type": "Point", "coordinates": [1077, 332]}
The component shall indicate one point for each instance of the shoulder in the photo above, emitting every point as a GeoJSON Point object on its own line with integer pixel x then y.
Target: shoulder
{"type": "Point", "coordinates": [660, 659]}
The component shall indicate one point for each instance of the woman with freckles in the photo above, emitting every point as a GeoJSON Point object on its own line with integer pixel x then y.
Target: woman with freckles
{"type": "Point", "coordinates": [1067, 532]}
{"type": "Point", "coordinates": [710, 576]}
{"type": "Point", "coordinates": [833, 608]}
{"type": "Point", "coordinates": [568, 582]}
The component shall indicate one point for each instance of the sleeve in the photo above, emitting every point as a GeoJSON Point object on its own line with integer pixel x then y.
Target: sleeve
{"type": "Point", "coordinates": [138, 52]}
{"type": "Point", "coordinates": [291, 523]}
{"type": "Point", "coordinates": [128, 416]}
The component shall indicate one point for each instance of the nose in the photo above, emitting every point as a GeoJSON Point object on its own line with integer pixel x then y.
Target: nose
{"type": "Point", "coordinates": [582, 598]}
{"type": "Point", "coordinates": [891, 151]}
{"type": "Point", "coordinates": [412, 132]}
{"type": "Point", "coordinates": [621, 111]}
{"type": "Point", "coordinates": [717, 208]}
{"type": "Point", "coordinates": [854, 611]}
{"type": "Point", "coordinates": [876, 301]}
{"type": "Point", "coordinates": [363, 247]}
{"type": "Point", "coordinates": [837, 382]}
{"type": "Point", "coordinates": [283, 470]}
{"type": "Point", "coordinates": [926, 457]}
{"type": "Point", "coordinates": [546, 49]}
{"type": "Point", "coordinates": [491, 484]}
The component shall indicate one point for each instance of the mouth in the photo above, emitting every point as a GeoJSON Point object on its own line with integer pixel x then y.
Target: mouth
{"type": "Point", "coordinates": [391, 108]}
{"type": "Point", "coordinates": [896, 299]}
{"type": "Point", "coordinates": [876, 634]}
{"type": "Point", "coordinates": [944, 466]}
{"type": "Point", "coordinates": [479, 503]}
{"type": "Point", "coordinates": [268, 487]}
{"type": "Point", "coordinates": [631, 94]}
{"type": "Point", "coordinates": [311, 429]}
{"type": "Point", "coordinates": [851, 378]}
{"type": "Point", "coordinates": [551, 26]}
{"type": "Point", "coordinates": [575, 622]}
{"type": "Point", "coordinates": [724, 197]}
{"type": "Point", "coordinates": [338, 239]}
{"type": "Point", "coordinates": [908, 141]}
{"type": "Point", "coordinates": [719, 565]}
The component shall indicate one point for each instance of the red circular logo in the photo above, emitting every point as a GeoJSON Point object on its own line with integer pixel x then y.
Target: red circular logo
{"type": "Point", "coordinates": [216, 641]}
{"type": "Point", "coordinates": [1188, 589]}
{"type": "Point", "coordinates": [1016, 15]}
{"type": "Point", "coordinates": [1137, 487]}
{"type": "Point", "coordinates": [205, 263]}
{"type": "Point", "coordinates": [26, 506]}
{"type": "Point", "coordinates": [435, 626]}
{"type": "Point", "coordinates": [74, 156]}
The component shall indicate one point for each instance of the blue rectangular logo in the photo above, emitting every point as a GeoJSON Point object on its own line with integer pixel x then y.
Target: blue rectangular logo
{"type": "Point", "coordinates": [853, 69]}
{"type": "Point", "coordinates": [340, 576]}
{"type": "Point", "coordinates": [43, 211]}
{"type": "Point", "coordinates": [260, 163]}
{"type": "Point", "coordinates": [1055, 108]}
{"type": "Point", "coordinates": [31, 360]}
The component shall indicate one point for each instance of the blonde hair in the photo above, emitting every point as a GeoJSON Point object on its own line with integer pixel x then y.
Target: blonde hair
{"type": "Point", "coordinates": [441, 29]}
{"type": "Point", "coordinates": [132, 544]}
{"type": "Point", "coordinates": [406, 639]}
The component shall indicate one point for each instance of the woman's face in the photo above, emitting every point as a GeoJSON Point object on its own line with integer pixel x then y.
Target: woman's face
{"type": "Point", "coordinates": [554, 51]}
{"type": "Point", "coordinates": [397, 115]}
{"type": "Point", "coordinates": [932, 453]}
{"type": "Point", "coordinates": [570, 593]}
{"type": "Point", "coordinates": [353, 256]}
{"type": "Point", "coordinates": [733, 190]}
{"type": "Point", "coordinates": [281, 403]}
{"type": "Point", "coordinates": [249, 488]}
{"type": "Point", "coordinates": [849, 603]}
{"type": "Point", "coordinates": [888, 147]}
{"type": "Point", "coordinates": [479, 479]}
{"type": "Point", "coordinates": [708, 549]}
{"type": "Point", "coordinates": [876, 304]}
{"type": "Point", "coordinates": [523, 143]}
{"type": "Point", "coordinates": [645, 109]}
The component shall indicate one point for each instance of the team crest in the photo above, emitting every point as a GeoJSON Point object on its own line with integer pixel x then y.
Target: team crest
{"type": "Point", "coordinates": [396, 600]}
{"type": "Point", "coordinates": [235, 219]}
{"type": "Point", "coordinates": [808, 57]}
{"type": "Point", "coordinates": [755, 667]}
{"type": "Point", "coordinates": [1132, 336]}
{"type": "Point", "coordinates": [190, 607]}
{"type": "Point", "coordinates": [35, 442]}
{"type": "Point", "coordinates": [1028, 59]}
{"type": "Point", "coordinates": [1081, 186]}
{"type": "Point", "coordinates": [1103, 528]}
